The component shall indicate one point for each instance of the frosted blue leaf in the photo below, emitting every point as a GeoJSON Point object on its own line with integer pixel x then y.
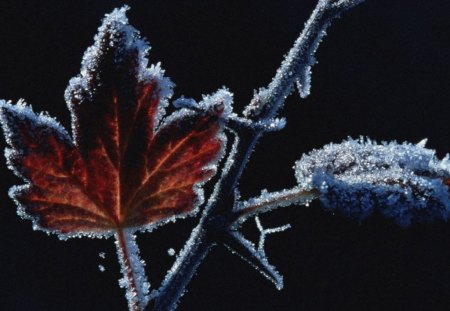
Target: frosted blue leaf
{"type": "Point", "coordinates": [404, 182]}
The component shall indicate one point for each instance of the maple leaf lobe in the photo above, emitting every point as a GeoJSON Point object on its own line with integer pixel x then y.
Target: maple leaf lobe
{"type": "Point", "coordinates": [125, 165]}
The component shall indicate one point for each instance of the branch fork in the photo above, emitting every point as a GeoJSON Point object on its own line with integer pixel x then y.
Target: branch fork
{"type": "Point", "coordinates": [295, 70]}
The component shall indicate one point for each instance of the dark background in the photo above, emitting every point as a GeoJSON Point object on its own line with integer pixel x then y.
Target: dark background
{"type": "Point", "coordinates": [383, 72]}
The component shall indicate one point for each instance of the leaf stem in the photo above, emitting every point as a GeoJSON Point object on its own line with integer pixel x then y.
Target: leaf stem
{"type": "Point", "coordinates": [269, 201]}
{"type": "Point", "coordinates": [132, 268]}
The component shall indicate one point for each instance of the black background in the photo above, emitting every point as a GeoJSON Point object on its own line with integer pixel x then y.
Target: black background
{"type": "Point", "coordinates": [383, 72]}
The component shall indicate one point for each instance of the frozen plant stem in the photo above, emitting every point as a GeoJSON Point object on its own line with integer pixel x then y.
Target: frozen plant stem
{"type": "Point", "coordinates": [133, 291]}
{"type": "Point", "coordinates": [218, 217]}
{"type": "Point", "coordinates": [295, 70]}
{"type": "Point", "coordinates": [268, 201]}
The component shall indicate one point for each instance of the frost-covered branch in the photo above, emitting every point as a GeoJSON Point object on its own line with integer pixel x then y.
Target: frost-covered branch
{"type": "Point", "coordinates": [256, 256]}
{"type": "Point", "coordinates": [265, 232]}
{"type": "Point", "coordinates": [247, 251]}
{"type": "Point", "coordinates": [218, 216]}
{"type": "Point", "coordinates": [295, 70]}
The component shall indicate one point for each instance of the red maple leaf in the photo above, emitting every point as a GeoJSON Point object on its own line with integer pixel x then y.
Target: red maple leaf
{"type": "Point", "coordinates": [125, 164]}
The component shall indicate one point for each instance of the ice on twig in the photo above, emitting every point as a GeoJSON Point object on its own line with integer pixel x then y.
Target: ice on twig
{"type": "Point", "coordinates": [239, 245]}
{"type": "Point", "coordinates": [256, 256]}
{"type": "Point", "coordinates": [265, 125]}
{"type": "Point", "coordinates": [295, 70]}
{"type": "Point", "coordinates": [264, 232]}
{"type": "Point", "coordinates": [405, 182]}
{"type": "Point", "coordinates": [268, 201]}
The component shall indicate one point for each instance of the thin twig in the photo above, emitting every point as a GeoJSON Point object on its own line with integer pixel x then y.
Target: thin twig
{"type": "Point", "coordinates": [269, 201]}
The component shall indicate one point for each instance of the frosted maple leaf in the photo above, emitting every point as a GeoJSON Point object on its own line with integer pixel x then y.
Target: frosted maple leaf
{"type": "Point", "coordinates": [125, 166]}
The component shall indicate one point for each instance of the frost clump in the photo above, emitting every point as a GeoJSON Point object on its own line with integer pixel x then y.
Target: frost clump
{"type": "Point", "coordinates": [171, 252]}
{"type": "Point", "coordinates": [405, 182]}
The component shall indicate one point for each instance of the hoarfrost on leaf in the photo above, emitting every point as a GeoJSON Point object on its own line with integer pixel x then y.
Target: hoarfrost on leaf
{"type": "Point", "coordinates": [405, 182]}
{"type": "Point", "coordinates": [125, 166]}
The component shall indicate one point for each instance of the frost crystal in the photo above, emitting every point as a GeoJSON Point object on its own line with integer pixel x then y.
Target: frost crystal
{"type": "Point", "coordinates": [358, 177]}
{"type": "Point", "coordinates": [220, 102]}
{"type": "Point", "coordinates": [171, 252]}
{"type": "Point", "coordinates": [101, 268]}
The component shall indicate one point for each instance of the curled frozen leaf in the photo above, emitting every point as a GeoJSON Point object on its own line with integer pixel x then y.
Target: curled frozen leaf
{"type": "Point", "coordinates": [125, 164]}
{"type": "Point", "coordinates": [406, 182]}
